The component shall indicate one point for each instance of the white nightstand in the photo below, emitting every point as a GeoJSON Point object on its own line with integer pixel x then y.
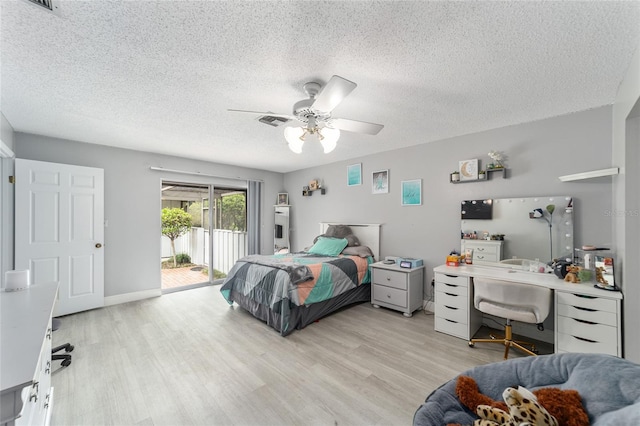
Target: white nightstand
{"type": "Point", "coordinates": [397, 288]}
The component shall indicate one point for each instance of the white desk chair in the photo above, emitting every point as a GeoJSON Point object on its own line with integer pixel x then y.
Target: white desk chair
{"type": "Point", "coordinates": [514, 302]}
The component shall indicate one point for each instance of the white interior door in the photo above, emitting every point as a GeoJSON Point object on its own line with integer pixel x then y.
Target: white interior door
{"type": "Point", "coordinates": [59, 230]}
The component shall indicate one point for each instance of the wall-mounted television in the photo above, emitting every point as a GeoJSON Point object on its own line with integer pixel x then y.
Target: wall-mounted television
{"type": "Point", "coordinates": [476, 209]}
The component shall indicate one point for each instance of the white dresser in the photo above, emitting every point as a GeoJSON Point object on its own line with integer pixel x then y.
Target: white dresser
{"type": "Point", "coordinates": [397, 288]}
{"type": "Point", "coordinates": [484, 251]}
{"type": "Point", "coordinates": [26, 394]}
{"type": "Point", "coordinates": [587, 319]}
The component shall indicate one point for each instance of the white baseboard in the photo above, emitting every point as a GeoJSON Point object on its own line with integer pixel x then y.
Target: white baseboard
{"type": "Point", "coordinates": [131, 297]}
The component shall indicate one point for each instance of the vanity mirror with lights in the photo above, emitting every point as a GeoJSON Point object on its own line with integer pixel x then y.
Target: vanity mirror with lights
{"type": "Point", "coordinates": [281, 230]}
{"type": "Point", "coordinates": [510, 231]}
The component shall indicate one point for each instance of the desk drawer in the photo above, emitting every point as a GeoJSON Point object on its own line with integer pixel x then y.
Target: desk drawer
{"type": "Point", "coordinates": [590, 302]}
{"type": "Point", "coordinates": [451, 313]}
{"type": "Point", "coordinates": [389, 295]}
{"type": "Point", "coordinates": [452, 279]}
{"type": "Point", "coordinates": [451, 327]}
{"type": "Point", "coordinates": [587, 331]}
{"type": "Point", "coordinates": [585, 314]}
{"type": "Point", "coordinates": [451, 288]}
{"type": "Point", "coordinates": [453, 300]}
{"type": "Point", "coordinates": [569, 343]}
{"type": "Point", "coordinates": [390, 278]}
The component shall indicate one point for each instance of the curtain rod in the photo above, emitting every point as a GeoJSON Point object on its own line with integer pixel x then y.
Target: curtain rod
{"type": "Point", "coordinates": [184, 172]}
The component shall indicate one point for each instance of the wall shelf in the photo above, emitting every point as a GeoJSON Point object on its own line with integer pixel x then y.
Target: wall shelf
{"type": "Point", "coordinates": [309, 192]}
{"type": "Point", "coordinates": [590, 175]}
{"type": "Point", "coordinates": [484, 177]}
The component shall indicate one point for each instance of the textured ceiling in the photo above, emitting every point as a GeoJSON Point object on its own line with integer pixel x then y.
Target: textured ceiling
{"type": "Point", "coordinates": [159, 76]}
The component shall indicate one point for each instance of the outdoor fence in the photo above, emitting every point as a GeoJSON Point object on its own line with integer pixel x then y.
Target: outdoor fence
{"type": "Point", "coordinates": [228, 247]}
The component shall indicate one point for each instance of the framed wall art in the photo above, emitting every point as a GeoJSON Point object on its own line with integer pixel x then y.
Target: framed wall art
{"type": "Point", "coordinates": [468, 169]}
{"type": "Point", "coordinates": [380, 182]}
{"type": "Point", "coordinates": [411, 192]}
{"type": "Point", "coordinates": [283, 199]}
{"type": "Point", "coordinates": [354, 174]}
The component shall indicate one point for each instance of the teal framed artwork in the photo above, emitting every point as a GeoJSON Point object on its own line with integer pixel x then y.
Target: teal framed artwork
{"type": "Point", "coordinates": [354, 174]}
{"type": "Point", "coordinates": [411, 192]}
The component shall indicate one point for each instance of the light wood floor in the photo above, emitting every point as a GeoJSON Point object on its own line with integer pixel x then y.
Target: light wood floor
{"type": "Point", "coordinates": [188, 358]}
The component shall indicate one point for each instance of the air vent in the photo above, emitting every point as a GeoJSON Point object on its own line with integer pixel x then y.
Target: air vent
{"type": "Point", "coordinates": [50, 5]}
{"type": "Point", "coordinates": [273, 121]}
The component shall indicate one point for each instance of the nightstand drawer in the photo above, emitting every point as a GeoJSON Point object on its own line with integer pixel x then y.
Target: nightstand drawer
{"type": "Point", "coordinates": [584, 314]}
{"type": "Point", "coordinates": [451, 288]}
{"type": "Point", "coordinates": [590, 302]}
{"type": "Point", "coordinates": [451, 313]}
{"type": "Point", "coordinates": [394, 296]}
{"type": "Point", "coordinates": [453, 300]}
{"type": "Point", "coordinates": [451, 327]}
{"type": "Point", "coordinates": [389, 278]}
{"type": "Point", "coordinates": [452, 279]}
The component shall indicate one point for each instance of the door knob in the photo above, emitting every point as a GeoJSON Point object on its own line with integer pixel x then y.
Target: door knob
{"type": "Point", "coordinates": [98, 245]}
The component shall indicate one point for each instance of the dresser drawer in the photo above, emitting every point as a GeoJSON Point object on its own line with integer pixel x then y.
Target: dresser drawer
{"type": "Point", "coordinates": [586, 314]}
{"type": "Point", "coordinates": [453, 300]}
{"type": "Point", "coordinates": [451, 313]}
{"type": "Point", "coordinates": [569, 343]}
{"type": "Point", "coordinates": [452, 279]}
{"type": "Point", "coordinates": [389, 278]}
{"type": "Point", "coordinates": [451, 327]}
{"type": "Point", "coordinates": [485, 257]}
{"type": "Point", "coordinates": [482, 249]}
{"type": "Point", "coordinates": [590, 302]}
{"type": "Point", "coordinates": [389, 295]}
{"type": "Point", "coordinates": [452, 288]}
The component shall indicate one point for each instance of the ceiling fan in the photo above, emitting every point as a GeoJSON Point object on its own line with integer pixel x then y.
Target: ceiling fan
{"type": "Point", "coordinates": [315, 115]}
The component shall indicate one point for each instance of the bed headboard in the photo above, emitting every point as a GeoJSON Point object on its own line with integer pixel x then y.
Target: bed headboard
{"type": "Point", "coordinates": [367, 233]}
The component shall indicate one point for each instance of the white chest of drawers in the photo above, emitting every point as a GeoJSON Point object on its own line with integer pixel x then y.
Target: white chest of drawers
{"type": "Point", "coordinates": [397, 288]}
{"type": "Point", "coordinates": [484, 251]}
{"type": "Point", "coordinates": [587, 324]}
{"type": "Point", "coordinates": [26, 395]}
{"type": "Point", "coordinates": [454, 312]}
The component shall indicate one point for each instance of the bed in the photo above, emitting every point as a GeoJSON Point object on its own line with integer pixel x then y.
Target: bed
{"type": "Point", "coordinates": [292, 290]}
{"type": "Point", "coordinates": [609, 387]}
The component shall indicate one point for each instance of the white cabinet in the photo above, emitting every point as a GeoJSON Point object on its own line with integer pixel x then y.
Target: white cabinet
{"type": "Point", "coordinates": [397, 288]}
{"type": "Point", "coordinates": [26, 395]}
{"type": "Point", "coordinates": [454, 312]}
{"type": "Point", "coordinates": [484, 251]}
{"type": "Point", "coordinates": [587, 323]}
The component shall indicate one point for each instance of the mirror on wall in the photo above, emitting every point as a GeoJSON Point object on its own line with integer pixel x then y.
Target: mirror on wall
{"type": "Point", "coordinates": [532, 228]}
{"type": "Point", "coordinates": [281, 230]}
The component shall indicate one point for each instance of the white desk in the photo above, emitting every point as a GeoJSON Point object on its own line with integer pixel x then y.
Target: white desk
{"type": "Point", "coordinates": [25, 355]}
{"type": "Point", "coordinates": [587, 319]}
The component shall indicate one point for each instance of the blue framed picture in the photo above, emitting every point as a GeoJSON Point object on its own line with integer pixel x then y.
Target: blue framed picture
{"type": "Point", "coordinates": [354, 174]}
{"type": "Point", "coordinates": [411, 192]}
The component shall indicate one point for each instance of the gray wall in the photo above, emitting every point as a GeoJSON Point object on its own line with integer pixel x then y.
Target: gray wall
{"type": "Point", "coordinates": [626, 220]}
{"type": "Point", "coordinates": [6, 132]}
{"type": "Point", "coordinates": [538, 153]}
{"type": "Point", "coordinates": [132, 202]}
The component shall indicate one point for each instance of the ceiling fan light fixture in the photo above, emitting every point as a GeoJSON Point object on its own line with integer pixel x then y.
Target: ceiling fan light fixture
{"type": "Point", "coordinates": [295, 138]}
{"type": "Point", "coordinates": [328, 138]}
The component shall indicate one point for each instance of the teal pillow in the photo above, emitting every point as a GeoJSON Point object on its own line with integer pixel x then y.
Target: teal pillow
{"type": "Point", "coordinates": [329, 246]}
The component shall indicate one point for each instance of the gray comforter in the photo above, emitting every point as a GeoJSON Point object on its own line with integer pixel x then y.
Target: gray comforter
{"type": "Point", "coordinates": [609, 386]}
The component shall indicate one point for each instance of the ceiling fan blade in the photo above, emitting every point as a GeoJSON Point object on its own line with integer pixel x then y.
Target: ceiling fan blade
{"type": "Point", "coordinates": [333, 93]}
{"type": "Point", "coordinates": [271, 114]}
{"type": "Point", "coordinates": [356, 126]}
